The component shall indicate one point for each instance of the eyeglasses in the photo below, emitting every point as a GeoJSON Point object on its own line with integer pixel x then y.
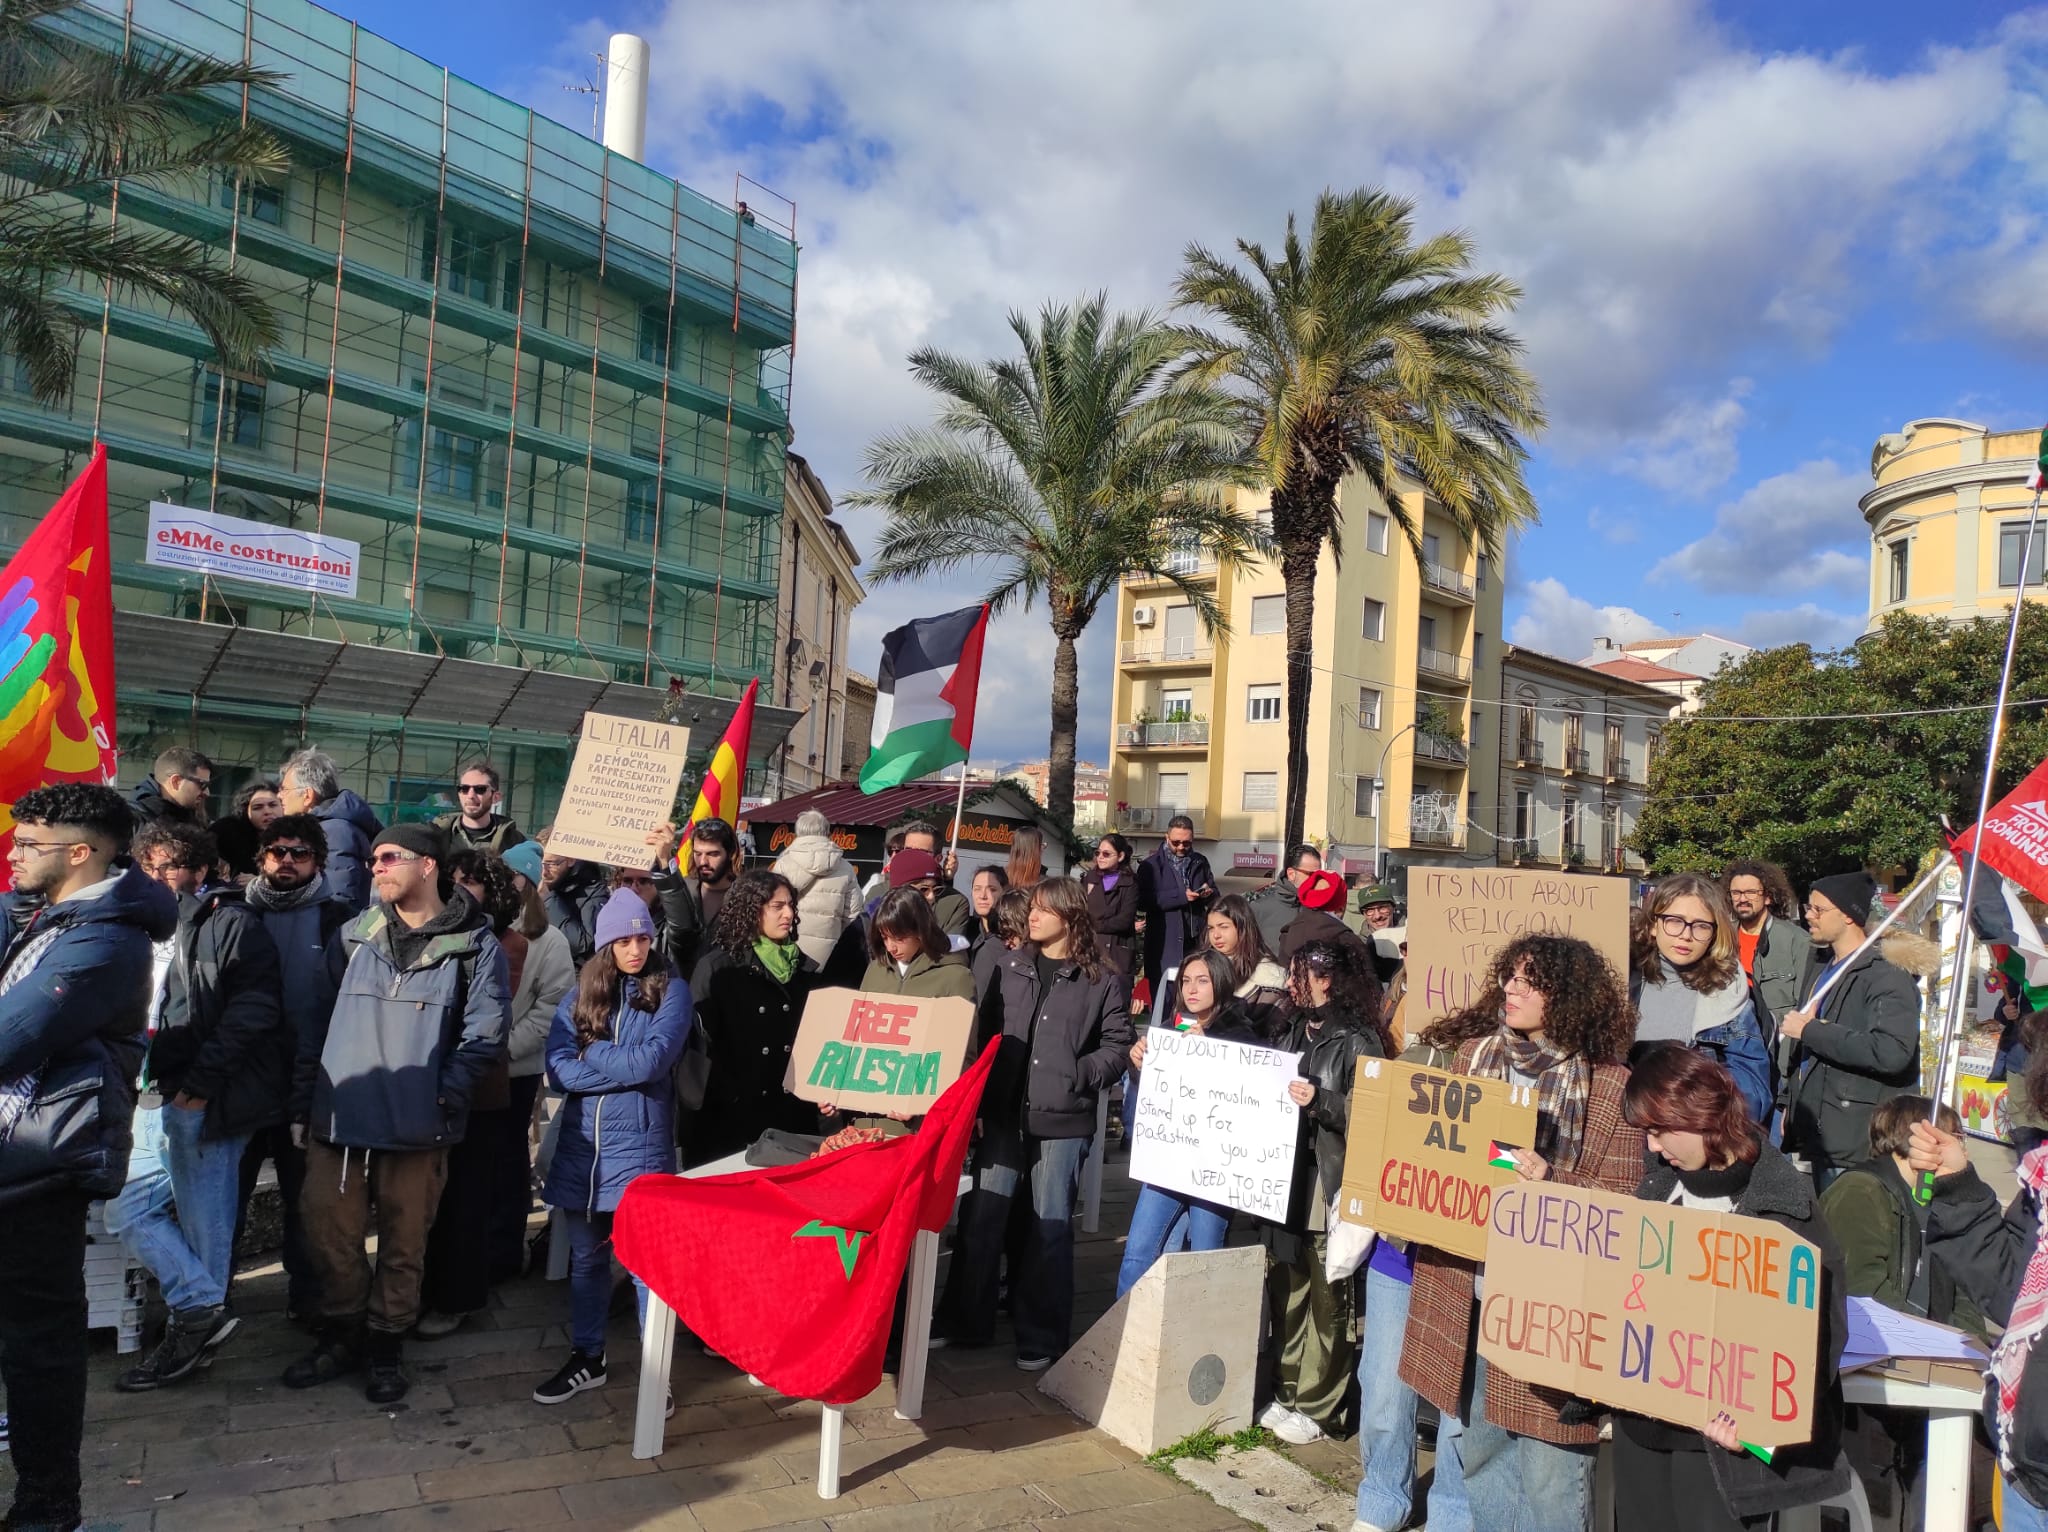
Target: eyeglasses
{"type": "Point", "coordinates": [204, 784]}
{"type": "Point", "coordinates": [284, 853]}
{"type": "Point", "coordinates": [39, 848]}
{"type": "Point", "coordinates": [384, 859]}
{"type": "Point", "coordinates": [1517, 984]}
{"type": "Point", "coordinates": [479, 788]}
{"type": "Point", "coordinates": [1180, 845]}
{"type": "Point", "coordinates": [1678, 925]}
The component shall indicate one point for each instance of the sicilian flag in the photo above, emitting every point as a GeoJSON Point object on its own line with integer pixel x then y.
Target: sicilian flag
{"type": "Point", "coordinates": [719, 796]}
{"type": "Point", "coordinates": [57, 649]}
{"type": "Point", "coordinates": [924, 697]}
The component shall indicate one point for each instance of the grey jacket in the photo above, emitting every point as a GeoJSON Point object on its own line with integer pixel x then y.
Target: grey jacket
{"type": "Point", "coordinates": [1784, 958]}
{"type": "Point", "coordinates": [408, 1039]}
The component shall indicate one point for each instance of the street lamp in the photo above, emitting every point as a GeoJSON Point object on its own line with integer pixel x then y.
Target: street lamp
{"type": "Point", "coordinates": [1378, 787]}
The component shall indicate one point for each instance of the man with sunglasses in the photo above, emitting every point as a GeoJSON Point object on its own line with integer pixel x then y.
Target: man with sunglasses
{"type": "Point", "coordinates": [305, 916]}
{"type": "Point", "coordinates": [1175, 888]}
{"type": "Point", "coordinates": [476, 822]}
{"type": "Point", "coordinates": [175, 789]}
{"type": "Point", "coordinates": [74, 1003]}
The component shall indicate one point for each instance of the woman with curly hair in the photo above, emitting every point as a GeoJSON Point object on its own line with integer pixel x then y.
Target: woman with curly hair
{"type": "Point", "coordinates": [1687, 984]}
{"type": "Point", "coordinates": [1058, 1010]}
{"type": "Point", "coordinates": [1554, 1017]}
{"type": "Point", "coordinates": [1257, 981]}
{"type": "Point", "coordinates": [1336, 1022]}
{"type": "Point", "coordinates": [750, 989]}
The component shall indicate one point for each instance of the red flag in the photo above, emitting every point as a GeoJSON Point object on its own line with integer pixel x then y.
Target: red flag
{"type": "Point", "coordinates": [719, 795]}
{"type": "Point", "coordinates": [791, 1272]}
{"type": "Point", "coordinates": [57, 649]}
{"type": "Point", "coordinates": [2016, 834]}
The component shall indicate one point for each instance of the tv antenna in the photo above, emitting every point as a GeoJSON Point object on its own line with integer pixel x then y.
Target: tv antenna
{"type": "Point", "coordinates": [591, 89]}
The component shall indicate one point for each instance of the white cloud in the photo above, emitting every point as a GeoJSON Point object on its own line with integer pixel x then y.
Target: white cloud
{"type": "Point", "coordinates": [1802, 624]}
{"type": "Point", "coordinates": [1555, 621]}
{"type": "Point", "coordinates": [1692, 451]}
{"type": "Point", "coordinates": [1796, 531]}
{"type": "Point", "coordinates": [1615, 529]}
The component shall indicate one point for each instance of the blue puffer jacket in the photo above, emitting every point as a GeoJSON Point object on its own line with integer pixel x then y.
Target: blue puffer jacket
{"type": "Point", "coordinates": [79, 1016]}
{"type": "Point", "coordinates": [619, 1120]}
{"type": "Point", "coordinates": [350, 826]}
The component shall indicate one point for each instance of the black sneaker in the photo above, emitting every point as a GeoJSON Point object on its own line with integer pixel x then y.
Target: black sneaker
{"type": "Point", "coordinates": [177, 1356]}
{"type": "Point", "coordinates": [388, 1382]}
{"type": "Point", "coordinates": [1031, 1362]}
{"type": "Point", "coordinates": [576, 1374]}
{"type": "Point", "coordinates": [336, 1354]}
{"type": "Point", "coordinates": [225, 1323]}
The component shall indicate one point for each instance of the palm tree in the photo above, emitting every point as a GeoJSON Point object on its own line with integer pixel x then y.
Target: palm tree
{"type": "Point", "coordinates": [72, 118]}
{"type": "Point", "coordinates": [1065, 469]}
{"type": "Point", "coordinates": [1365, 352]}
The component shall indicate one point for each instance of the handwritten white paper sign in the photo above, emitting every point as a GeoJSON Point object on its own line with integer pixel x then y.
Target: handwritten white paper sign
{"type": "Point", "coordinates": [1214, 1121]}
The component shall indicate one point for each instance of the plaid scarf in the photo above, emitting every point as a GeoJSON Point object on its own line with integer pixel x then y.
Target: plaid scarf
{"type": "Point", "coordinates": [18, 1092]}
{"type": "Point", "coordinates": [1564, 1085]}
{"type": "Point", "coordinates": [2029, 1312]}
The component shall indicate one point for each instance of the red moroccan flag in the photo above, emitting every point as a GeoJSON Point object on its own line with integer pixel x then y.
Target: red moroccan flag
{"type": "Point", "coordinates": [2016, 834]}
{"type": "Point", "coordinates": [57, 649]}
{"type": "Point", "coordinates": [791, 1272]}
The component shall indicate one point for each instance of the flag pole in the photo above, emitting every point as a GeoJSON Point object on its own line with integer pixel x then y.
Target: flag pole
{"type": "Point", "coordinates": [959, 808]}
{"type": "Point", "coordinates": [1871, 938]}
{"type": "Point", "coordinates": [1952, 1020]}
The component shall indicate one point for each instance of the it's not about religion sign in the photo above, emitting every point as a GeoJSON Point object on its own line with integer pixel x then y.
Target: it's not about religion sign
{"type": "Point", "coordinates": [879, 1053]}
{"type": "Point", "coordinates": [1458, 919]}
{"type": "Point", "coordinates": [1656, 1308]}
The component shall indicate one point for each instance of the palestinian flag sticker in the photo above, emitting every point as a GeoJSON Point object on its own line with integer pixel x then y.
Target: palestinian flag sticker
{"type": "Point", "coordinates": [1500, 1155]}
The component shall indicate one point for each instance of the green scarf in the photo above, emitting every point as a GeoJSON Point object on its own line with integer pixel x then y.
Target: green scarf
{"type": "Point", "coordinates": [779, 958]}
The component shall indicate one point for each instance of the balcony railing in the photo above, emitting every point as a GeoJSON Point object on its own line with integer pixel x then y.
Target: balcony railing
{"type": "Point", "coordinates": [1574, 854]}
{"type": "Point", "coordinates": [1523, 849]}
{"type": "Point", "coordinates": [1173, 733]}
{"type": "Point", "coordinates": [1186, 565]}
{"type": "Point", "coordinates": [1528, 751]}
{"type": "Point", "coordinates": [1620, 859]}
{"type": "Point", "coordinates": [1617, 767]}
{"type": "Point", "coordinates": [1452, 836]}
{"type": "Point", "coordinates": [1151, 818]}
{"type": "Point", "coordinates": [1577, 761]}
{"type": "Point", "coordinates": [1167, 651]}
{"type": "Point", "coordinates": [1446, 580]}
{"type": "Point", "coordinates": [1439, 747]}
{"type": "Point", "coordinates": [1441, 662]}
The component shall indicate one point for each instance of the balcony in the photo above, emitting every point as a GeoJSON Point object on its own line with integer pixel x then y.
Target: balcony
{"type": "Point", "coordinates": [1175, 734]}
{"type": "Point", "coordinates": [1444, 665]}
{"type": "Point", "coordinates": [1523, 851]}
{"type": "Point", "coordinates": [1166, 651]}
{"type": "Point", "coordinates": [1439, 748]}
{"type": "Point", "coordinates": [1619, 859]}
{"type": "Point", "coordinates": [1617, 766]}
{"type": "Point", "coordinates": [1433, 821]}
{"type": "Point", "coordinates": [1188, 565]}
{"type": "Point", "coordinates": [1447, 837]}
{"type": "Point", "coordinates": [1528, 751]}
{"type": "Point", "coordinates": [1578, 762]}
{"type": "Point", "coordinates": [1574, 854]}
{"type": "Point", "coordinates": [1444, 581]}
{"type": "Point", "coordinates": [1151, 818]}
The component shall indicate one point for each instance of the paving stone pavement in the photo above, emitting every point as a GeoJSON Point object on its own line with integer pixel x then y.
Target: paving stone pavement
{"type": "Point", "coordinates": [235, 1451]}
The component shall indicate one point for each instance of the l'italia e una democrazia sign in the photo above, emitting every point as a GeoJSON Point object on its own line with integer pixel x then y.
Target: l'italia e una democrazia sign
{"type": "Point", "coordinates": [183, 538]}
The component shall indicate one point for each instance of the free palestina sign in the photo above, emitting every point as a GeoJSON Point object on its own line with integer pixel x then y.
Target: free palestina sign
{"type": "Point", "coordinates": [879, 1053]}
{"type": "Point", "coordinates": [182, 538]}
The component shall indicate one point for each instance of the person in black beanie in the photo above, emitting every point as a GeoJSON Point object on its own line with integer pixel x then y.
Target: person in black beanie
{"type": "Point", "coordinates": [1859, 1047]}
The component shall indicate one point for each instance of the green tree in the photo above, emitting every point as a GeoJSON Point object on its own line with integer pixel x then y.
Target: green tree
{"type": "Point", "coordinates": [1364, 351]}
{"type": "Point", "coordinates": [1820, 793]}
{"type": "Point", "coordinates": [1064, 469]}
{"type": "Point", "coordinates": [72, 118]}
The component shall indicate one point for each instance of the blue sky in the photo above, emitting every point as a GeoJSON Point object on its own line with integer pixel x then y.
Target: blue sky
{"type": "Point", "coordinates": [1753, 236]}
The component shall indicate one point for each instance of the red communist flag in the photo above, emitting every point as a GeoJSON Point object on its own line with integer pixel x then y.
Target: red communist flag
{"type": "Point", "coordinates": [791, 1272]}
{"type": "Point", "coordinates": [2016, 834]}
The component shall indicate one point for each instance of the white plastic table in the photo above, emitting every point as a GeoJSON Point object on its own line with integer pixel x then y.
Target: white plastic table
{"type": "Point", "coordinates": [658, 1340]}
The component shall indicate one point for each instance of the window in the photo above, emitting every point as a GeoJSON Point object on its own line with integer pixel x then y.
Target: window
{"type": "Point", "coordinates": [1610, 831]}
{"type": "Point", "coordinates": [1432, 548]}
{"type": "Point", "coordinates": [1425, 631]}
{"type": "Point", "coordinates": [1574, 731]}
{"type": "Point", "coordinates": [244, 427]}
{"type": "Point", "coordinates": [263, 204]}
{"type": "Point", "coordinates": [1375, 532]}
{"type": "Point", "coordinates": [1173, 790]}
{"type": "Point", "coordinates": [2010, 537]}
{"type": "Point", "coordinates": [1479, 578]}
{"type": "Point", "coordinates": [643, 496]}
{"type": "Point", "coordinates": [1368, 801]}
{"type": "Point", "coordinates": [1176, 706]}
{"type": "Point", "coordinates": [1525, 815]}
{"type": "Point", "coordinates": [654, 334]}
{"type": "Point", "coordinates": [1474, 735]}
{"type": "Point", "coordinates": [514, 281]}
{"type": "Point", "coordinates": [1375, 618]}
{"type": "Point", "coordinates": [1368, 707]}
{"type": "Point", "coordinates": [1896, 582]}
{"type": "Point", "coordinates": [1478, 647]}
{"type": "Point", "coordinates": [1571, 822]}
{"type": "Point", "coordinates": [1262, 704]}
{"type": "Point", "coordinates": [1269, 614]}
{"type": "Point", "coordinates": [1184, 557]}
{"type": "Point", "coordinates": [1261, 790]}
{"type": "Point", "coordinates": [1471, 805]}
{"type": "Point", "coordinates": [469, 264]}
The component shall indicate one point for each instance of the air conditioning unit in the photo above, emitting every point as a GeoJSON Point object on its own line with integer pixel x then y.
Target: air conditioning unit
{"type": "Point", "coordinates": [1143, 616]}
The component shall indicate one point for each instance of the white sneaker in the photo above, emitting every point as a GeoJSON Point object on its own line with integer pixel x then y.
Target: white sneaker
{"type": "Point", "coordinates": [1297, 1430]}
{"type": "Point", "coordinates": [1275, 1416]}
{"type": "Point", "coordinates": [1367, 1526]}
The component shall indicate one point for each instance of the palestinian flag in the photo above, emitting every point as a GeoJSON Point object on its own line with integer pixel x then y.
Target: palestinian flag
{"type": "Point", "coordinates": [2011, 935]}
{"type": "Point", "coordinates": [924, 697]}
{"type": "Point", "coordinates": [1500, 1156]}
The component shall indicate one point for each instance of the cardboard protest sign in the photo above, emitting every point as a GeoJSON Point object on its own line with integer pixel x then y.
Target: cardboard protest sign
{"type": "Point", "coordinates": [1655, 1308]}
{"type": "Point", "coordinates": [1426, 1150]}
{"type": "Point", "coordinates": [1459, 918]}
{"type": "Point", "coordinates": [1213, 1120]}
{"type": "Point", "coordinates": [621, 785]}
{"type": "Point", "coordinates": [879, 1053]}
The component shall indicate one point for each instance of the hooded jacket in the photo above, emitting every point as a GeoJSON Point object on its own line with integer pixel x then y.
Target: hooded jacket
{"type": "Point", "coordinates": [565, 902]}
{"type": "Point", "coordinates": [1062, 1046]}
{"type": "Point", "coordinates": [311, 953]}
{"type": "Point", "coordinates": [1861, 1051]}
{"type": "Point", "coordinates": [420, 1020]}
{"type": "Point", "coordinates": [619, 1109]}
{"type": "Point", "coordinates": [76, 1021]}
{"type": "Point", "coordinates": [827, 892]}
{"type": "Point", "coordinates": [350, 827]}
{"type": "Point", "coordinates": [947, 978]}
{"type": "Point", "coordinates": [223, 1037]}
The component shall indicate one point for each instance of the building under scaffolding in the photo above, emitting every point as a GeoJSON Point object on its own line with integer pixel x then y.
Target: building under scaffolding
{"type": "Point", "coordinates": [542, 386]}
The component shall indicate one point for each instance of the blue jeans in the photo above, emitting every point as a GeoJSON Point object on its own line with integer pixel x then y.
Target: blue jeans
{"type": "Point", "coordinates": [2020, 1513]}
{"type": "Point", "coordinates": [192, 1256]}
{"type": "Point", "coordinates": [1152, 1225]}
{"type": "Point", "coordinates": [1386, 1412]}
{"type": "Point", "coordinates": [1500, 1482]}
{"type": "Point", "coordinates": [590, 1280]}
{"type": "Point", "coordinates": [1042, 1284]}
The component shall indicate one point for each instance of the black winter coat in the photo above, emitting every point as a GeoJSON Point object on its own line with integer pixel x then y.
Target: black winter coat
{"type": "Point", "coordinates": [749, 1021]}
{"type": "Point", "coordinates": [80, 1017]}
{"type": "Point", "coordinates": [1864, 1050]}
{"type": "Point", "coordinates": [1057, 1056]}
{"type": "Point", "coordinates": [565, 901]}
{"type": "Point", "coordinates": [1811, 1471]}
{"type": "Point", "coordinates": [223, 1036]}
{"type": "Point", "coordinates": [147, 802]}
{"type": "Point", "coordinates": [1987, 1252]}
{"type": "Point", "coordinates": [1115, 913]}
{"type": "Point", "coordinates": [685, 933]}
{"type": "Point", "coordinates": [1329, 1060]}
{"type": "Point", "coordinates": [1174, 923]}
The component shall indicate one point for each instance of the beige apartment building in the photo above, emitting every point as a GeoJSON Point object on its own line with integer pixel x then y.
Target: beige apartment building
{"type": "Point", "coordinates": [1402, 759]}
{"type": "Point", "coordinates": [818, 591]}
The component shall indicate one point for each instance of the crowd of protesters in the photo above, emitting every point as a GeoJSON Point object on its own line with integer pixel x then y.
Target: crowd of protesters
{"type": "Point", "coordinates": [376, 1010]}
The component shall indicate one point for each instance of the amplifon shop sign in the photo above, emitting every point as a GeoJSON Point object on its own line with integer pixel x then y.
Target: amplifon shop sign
{"type": "Point", "coordinates": [182, 538]}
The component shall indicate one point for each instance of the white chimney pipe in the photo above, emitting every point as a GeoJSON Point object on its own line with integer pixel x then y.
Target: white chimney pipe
{"type": "Point", "coordinates": [625, 95]}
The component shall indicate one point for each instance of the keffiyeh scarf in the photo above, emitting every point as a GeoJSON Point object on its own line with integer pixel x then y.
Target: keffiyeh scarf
{"type": "Point", "coordinates": [1564, 1086]}
{"type": "Point", "coordinates": [2029, 1311]}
